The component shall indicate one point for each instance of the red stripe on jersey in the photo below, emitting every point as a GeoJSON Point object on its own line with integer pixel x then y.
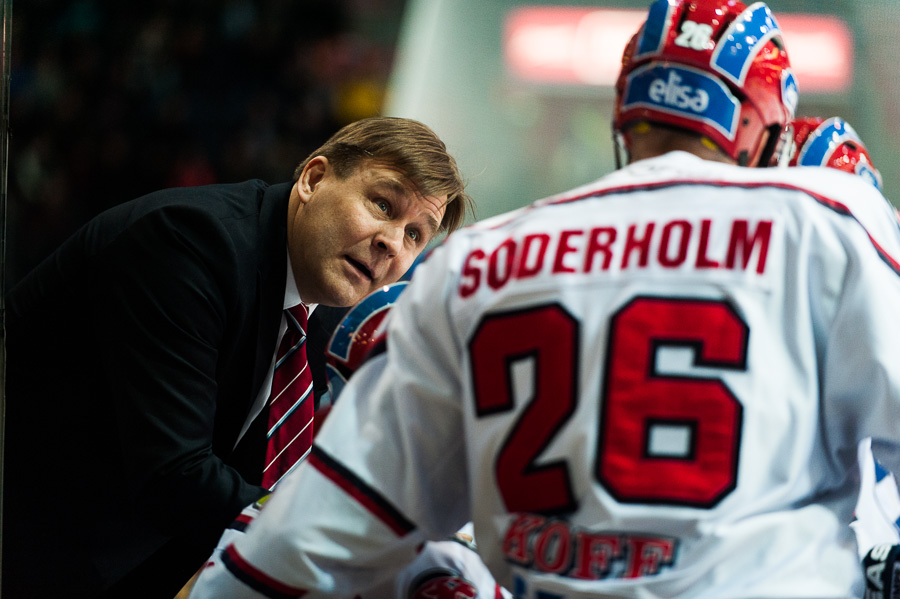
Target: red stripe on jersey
{"type": "Point", "coordinates": [257, 579]}
{"type": "Point", "coordinates": [842, 209]}
{"type": "Point", "coordinates": [892, 262]}
{"type": "Point", "coordinates": [241, 522]}
{"type": "Point", "coordinates": [368, 497]}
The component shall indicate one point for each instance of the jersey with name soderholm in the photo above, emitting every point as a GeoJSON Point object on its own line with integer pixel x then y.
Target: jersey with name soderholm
{"type": "Point", "coordinates": [651, 386]}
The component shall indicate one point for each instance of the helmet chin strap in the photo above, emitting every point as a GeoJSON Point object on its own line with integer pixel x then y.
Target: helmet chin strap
{"type": "Point", "coordinates": [776, 143]}
{"type": "Point", "coordinates": [788, 147]}
{"type": "Point", "coordinates": [620, 150]}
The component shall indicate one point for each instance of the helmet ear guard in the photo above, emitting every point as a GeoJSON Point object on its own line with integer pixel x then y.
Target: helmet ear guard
{"type": "Point", "coordinates": [716, 68]}
{"type": "Point", "coordinates": [620, 150]}
{"type": "Point", "coordinates": [621, 145]}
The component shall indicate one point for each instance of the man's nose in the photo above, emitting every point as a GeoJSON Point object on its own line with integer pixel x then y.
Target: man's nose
{"type": "Point", "coordinates": [390, 238]}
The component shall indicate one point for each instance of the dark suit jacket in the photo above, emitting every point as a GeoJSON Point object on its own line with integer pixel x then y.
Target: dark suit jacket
{"type": "Point", "coordinates": [134, 354]}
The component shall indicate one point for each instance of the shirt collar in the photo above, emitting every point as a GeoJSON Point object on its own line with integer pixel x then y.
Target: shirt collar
{"type": "Point", "coordinates": [291, 295]}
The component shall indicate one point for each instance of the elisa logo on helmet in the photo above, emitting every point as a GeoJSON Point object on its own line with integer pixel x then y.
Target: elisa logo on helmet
{"type": "Point", "coordinates": [732, 53]}
{"type": "Point", "coordinates": [672, 93]}
{"type": "Point", "coordinates": [686, 92]}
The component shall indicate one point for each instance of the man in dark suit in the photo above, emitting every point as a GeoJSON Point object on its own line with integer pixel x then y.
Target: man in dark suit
{"type": "Point", "coordinates": [138, 353]}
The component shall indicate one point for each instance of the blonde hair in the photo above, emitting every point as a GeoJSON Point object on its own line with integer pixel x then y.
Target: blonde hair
{"type": "Point", "coordinates": [407, 146]}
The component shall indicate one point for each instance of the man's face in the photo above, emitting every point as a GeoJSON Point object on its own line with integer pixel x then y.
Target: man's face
{"type": "Point", "coordinates": [348, 237]}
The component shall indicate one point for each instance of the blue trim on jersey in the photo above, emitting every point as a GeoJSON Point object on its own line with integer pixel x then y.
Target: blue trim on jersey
{"type": "Point", "coordinates": [655, 28]}
{"type": "Point", "coordinates": [880, 472]}
{"type": "Point", "coordinates": [684, 92]}
{"type": "Point", "coordinates": [744, 39]}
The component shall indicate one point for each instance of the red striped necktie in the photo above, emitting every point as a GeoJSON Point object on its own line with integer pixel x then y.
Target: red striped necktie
{"type": "Point", "coordinates": [290, 430]}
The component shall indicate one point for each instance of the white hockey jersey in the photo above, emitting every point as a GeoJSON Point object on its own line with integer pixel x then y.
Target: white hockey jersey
{"type": "Point", "coordinates": [446, 569]}
{"type": "Point", "coordinates": [651, 386]}
{"type": "Point", "coordinates": [877, 514]}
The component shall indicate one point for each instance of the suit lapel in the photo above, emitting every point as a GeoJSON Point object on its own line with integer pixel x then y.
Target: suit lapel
{"type": "Point", "coordinates": [271, 276]}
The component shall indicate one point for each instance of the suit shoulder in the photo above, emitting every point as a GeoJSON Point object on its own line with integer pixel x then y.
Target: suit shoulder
{"type": "Point", "coordinates": [222, 199]}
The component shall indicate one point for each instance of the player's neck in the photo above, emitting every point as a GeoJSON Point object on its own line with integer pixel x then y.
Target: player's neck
{"type": "Point", "coordinates": [656, 141]}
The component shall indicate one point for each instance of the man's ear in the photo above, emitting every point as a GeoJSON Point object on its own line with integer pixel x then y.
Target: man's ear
{"type": "Point", "coordinates": [313, 173]}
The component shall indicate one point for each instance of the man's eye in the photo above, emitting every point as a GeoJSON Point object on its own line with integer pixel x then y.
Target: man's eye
{"type": "Point", "coordinates": [414, 235]}
{"type": "Point", "coordinates": [383, 205]}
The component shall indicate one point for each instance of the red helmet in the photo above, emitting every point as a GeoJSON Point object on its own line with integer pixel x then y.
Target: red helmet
{"type": "Point", "coordinates": [831, 142]}
{"type": "Point", "coordinates": [716, 67]}
{"type": "Point", "coordinates": [359, 336]}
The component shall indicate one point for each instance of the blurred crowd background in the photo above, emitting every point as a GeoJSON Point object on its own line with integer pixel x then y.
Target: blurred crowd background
{"type": "Point", "coordinates": [113, 99]}
{"type": "Point", "coordinates": [110, 100]}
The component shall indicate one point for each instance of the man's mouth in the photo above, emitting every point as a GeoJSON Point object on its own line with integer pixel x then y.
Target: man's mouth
{"type": "Point", "coordinates": [361, 267]}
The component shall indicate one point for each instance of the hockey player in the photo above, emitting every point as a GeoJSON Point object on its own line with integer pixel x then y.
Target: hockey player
{"type": "Point", "coordinates": [834, 143]}
{"type": "Point", "coordinates": [650, 386]}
